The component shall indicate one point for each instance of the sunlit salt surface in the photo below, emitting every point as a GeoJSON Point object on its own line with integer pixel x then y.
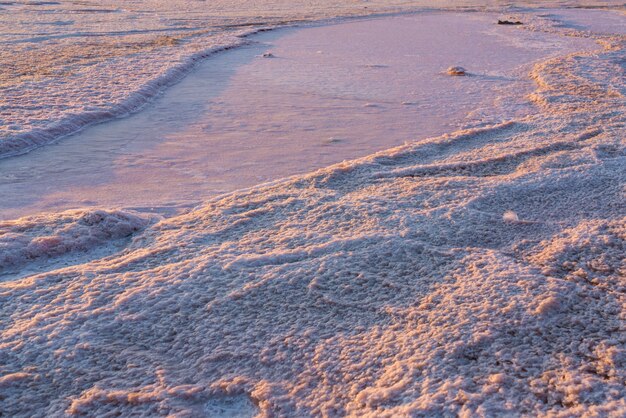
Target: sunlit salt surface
{"type": "Point", "coordinates": [477, 273]}
{"type": "Point", "coordinates": [321, 95]}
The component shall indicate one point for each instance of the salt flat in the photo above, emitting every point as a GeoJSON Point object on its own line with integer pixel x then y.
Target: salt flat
{"type": "Point", "coordinates": [476, 273]}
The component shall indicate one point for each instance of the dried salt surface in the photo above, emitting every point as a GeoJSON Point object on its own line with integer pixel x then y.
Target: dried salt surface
{"type": "Point", "coordinates": [28, 243]}
{"type": "Point", "coordinates": [594, 21]}
{"type": "Point", "coordinates": [386, 286]}
{"type": "Point", "coordinates": [237, 406]}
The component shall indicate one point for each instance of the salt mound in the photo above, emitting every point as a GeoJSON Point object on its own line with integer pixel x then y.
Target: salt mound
{"type": "Point", "coordinates": [591, 252]}
{"type": "Point", "coordinates": [457, 71]}
{"type": "Point", "coordinates": [510, 216]}
{"type": "Point", "coordinates": [55, 235]}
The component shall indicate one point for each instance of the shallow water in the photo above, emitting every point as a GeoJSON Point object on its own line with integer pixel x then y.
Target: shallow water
{"type": "Point", "coordinates": [62, 61]}
{"type": "Point", "coordinates": [329, 93]}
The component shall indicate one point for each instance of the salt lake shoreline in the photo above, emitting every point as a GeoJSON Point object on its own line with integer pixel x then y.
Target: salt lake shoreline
{"type": "Point", "coordinates": [202, 138]}
{"type": "Point", "coordinates": [477, 273]}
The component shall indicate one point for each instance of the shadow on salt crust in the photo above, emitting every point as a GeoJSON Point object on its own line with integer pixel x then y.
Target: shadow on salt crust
{"type": "Point", "coordinates": [44, 242]}
{"type": "Point", "coordinates": [237, 406]}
